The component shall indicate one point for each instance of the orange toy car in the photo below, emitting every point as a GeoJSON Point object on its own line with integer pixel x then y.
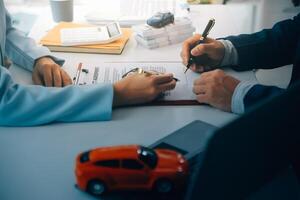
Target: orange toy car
{"type": "Point", "coordinates": [130, 168]}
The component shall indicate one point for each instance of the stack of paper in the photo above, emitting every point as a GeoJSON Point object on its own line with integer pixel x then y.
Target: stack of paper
{"type": "Point", "coordinates": [151, 37]}
{"type": "Point", "coordinates": [53, 42]}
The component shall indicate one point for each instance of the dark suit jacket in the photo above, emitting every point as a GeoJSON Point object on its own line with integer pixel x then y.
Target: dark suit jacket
{"type": "Point", "coordinates": [249, 152]}
{"type": "Point", "coordinates": [269, 49]}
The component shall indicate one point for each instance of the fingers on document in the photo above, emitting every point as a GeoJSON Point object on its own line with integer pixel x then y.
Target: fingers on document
{"type": "Point", "coordinates": [66, 80]}
{"type": "Point", "coordinates": [167, 86]}
{"type": "Point", "coordinates": [199, 89]}
{"type": "Point", "coordinates": [37, 79]}
{"type": "Point", "coordinates": [203, 98]}
{"type": "Point", "coordinates": [162, 78]}
{"type": "Point", "coordinates": [57, 78]}
{"type": "Point", "coordinates": [48, 77]}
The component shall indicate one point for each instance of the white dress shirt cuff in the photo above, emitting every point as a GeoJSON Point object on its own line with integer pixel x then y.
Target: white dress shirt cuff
{"type": "Point", "coordinates": [231, 55]}
{"type": "Point", "coordinates": [237, 101]}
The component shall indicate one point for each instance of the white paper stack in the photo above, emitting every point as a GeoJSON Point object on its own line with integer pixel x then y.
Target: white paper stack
{"type": "Point", "coordinates": [151, 37]}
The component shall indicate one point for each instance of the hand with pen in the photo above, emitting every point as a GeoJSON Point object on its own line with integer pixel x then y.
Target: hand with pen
{"type": "Point", "coordinates": [208, 54]}
{"type": "Point", "coordinates": [214, 86]}
{"type": "Point", "coordinates": [137, 88]}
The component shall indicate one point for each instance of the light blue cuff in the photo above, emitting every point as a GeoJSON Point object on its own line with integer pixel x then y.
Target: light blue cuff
{"type": "Point", "coordinates": [23, 51]}
{"type": "Point", "coordinates": [231, 56]}
{"type": "Point", "coordinates": [58, 61]}
{"type": "Point", "coordinates": [237, 101]}
{"type": "Point", "coordinates": [34, 105]}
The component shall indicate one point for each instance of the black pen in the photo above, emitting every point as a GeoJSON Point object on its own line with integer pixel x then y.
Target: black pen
{"type": "Point", "coordinates": [176, 79]}
{"type": "Point", "coordinates": [205, 33]}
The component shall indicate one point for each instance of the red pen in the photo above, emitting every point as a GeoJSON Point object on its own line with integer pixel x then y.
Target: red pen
{"type": "Point", "coordinates": [76, 78]}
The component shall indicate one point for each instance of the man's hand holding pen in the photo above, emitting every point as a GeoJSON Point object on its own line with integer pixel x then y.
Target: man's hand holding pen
{"type": "Point", "coordinates": [201, 40]}
{"type": "Point", "coordinates": [213, 87]}
{"type": "Point", "coordinates": [208, 55]}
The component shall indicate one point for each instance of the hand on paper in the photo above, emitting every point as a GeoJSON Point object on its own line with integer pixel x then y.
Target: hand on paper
{"type": "Point", "coordinates": [46, 72]}
{"type": "Point", "coordinates": [141, 88]}
{"type": "Point", "coordinates": [216, 89]}
{"type": "Point", "coordinates": [209, 54]}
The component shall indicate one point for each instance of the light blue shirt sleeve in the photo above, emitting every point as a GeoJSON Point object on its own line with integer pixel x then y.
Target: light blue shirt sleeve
{"type": "Point", "coordinates": [231, 58]}
{"type": "Point", "coordinates": [34, 105]}
{"type": "Point", "coordinates": [22, 50]}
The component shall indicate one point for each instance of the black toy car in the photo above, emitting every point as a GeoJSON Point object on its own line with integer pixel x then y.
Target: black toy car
{"type": "Point", "coordinates": [161, 19]}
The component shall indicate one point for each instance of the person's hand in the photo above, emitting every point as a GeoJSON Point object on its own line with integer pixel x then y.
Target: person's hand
{"type": "Point", "coordinates": [209, 55]}
{"type": "Point", "coordinates": [46, 72]}
{"type": "Point", "coordinates": [141, 88]}
{"type": "Point", "coordinates": [216, 89]}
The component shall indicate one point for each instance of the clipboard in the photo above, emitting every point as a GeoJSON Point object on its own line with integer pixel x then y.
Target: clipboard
{"type": "Point", "coordinates": [87, 74]}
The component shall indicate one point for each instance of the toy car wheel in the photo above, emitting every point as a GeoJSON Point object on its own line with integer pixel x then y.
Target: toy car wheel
{"type": "Point", "coordinates": [96, 187]}
{"type": "Point", "coordinates": [163, 186]}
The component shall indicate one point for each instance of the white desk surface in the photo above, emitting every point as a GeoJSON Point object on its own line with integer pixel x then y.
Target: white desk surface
{"type": "Point", "coordinates": [38, 162]}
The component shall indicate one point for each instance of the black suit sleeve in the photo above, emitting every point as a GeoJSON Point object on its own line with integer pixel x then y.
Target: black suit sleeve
{"type": "Point", "coordinates": [269, 48]}
{"type": "Point", "coordinates": [259, 93]}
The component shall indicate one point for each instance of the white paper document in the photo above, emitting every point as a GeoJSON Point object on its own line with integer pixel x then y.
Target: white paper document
{"type": "Point", "coordinates": [112, 72]}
